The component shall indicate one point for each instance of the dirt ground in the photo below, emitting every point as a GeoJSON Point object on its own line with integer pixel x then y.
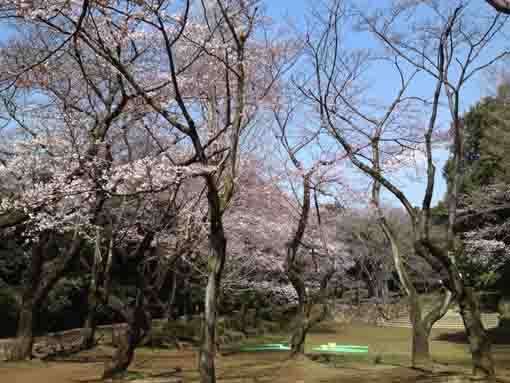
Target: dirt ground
{"type": "Point", "coordinates": [390, 346]}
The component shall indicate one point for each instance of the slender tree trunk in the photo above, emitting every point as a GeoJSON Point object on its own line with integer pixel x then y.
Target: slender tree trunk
{"type": "Point", "coordinates": [170, 305]}
{"type": "Point", "coordinates": [101, 275]}
{"type": "Point", "coordinates": [244, 315]}
{"type": "Point", "coordinates": [89, 328]}
{"type": "Point", "coordinates": [216, 261]}
{"type": "Point", "coordinates": [298, 338]}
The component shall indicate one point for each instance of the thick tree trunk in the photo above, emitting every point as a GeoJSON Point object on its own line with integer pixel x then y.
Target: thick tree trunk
{"type": "Point", "coordinates": [89, 329]}
{"type": "Point", "coordinates": [138, 327]}
{"type": "Point", "coordinates": [24, 334]}
{"type": "Point", "coordinates": [297, 339]}
{"type": "Point", "coordinates": [420, 343]}
{"type": "Point", "coordinates": [29, 302]}
{"type": "Point", "coordinates": [479, 342]}
{"type": "Point", "coordinates": [421, 350]}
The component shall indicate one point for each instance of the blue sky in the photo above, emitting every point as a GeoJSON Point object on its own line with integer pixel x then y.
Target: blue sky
{"type": "Point", "coordinates": [384, 86]}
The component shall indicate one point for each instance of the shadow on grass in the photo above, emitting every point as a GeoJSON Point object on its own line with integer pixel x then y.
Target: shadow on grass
{"type": "Point", "coordinates": [497, 335]}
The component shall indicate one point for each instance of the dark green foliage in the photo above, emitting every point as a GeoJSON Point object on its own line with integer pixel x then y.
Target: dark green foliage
{"type": "Point", "coordinates": [487, 143]}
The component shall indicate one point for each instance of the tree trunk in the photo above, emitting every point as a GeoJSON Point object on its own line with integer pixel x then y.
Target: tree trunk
{"type": "Point", "coordinates": [29, 304]}
{"type": "Point", "coordinates": [41, 278]}
{"type": "Point", "coordinates": [89, 329]}
{"type": "Point", "coordinates": [170, 305]}
{"type": "Point", "coordinates": [421, 350]}
{"type": "Point", "coordinates": [479, 342]}
{"type": "Point", "coordinates": [216, 261]}
{"type": "Point", "coordinates": [138, 327]}
{"type": "Point", "coordinates": [244, 314]}
{"type": "Point", "coordinates": [208, 349]}
{"type": "Point", "coordinates": [297, 340]}
{"type": "Point", "coordinates": [422, 326]}
{"type": "Point", "coordinates": [420, 343]}
{"type": "Point", "coordinates": [24, 334]}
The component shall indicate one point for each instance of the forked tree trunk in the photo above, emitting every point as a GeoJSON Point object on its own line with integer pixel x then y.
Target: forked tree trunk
{"type": "Point", "coordinates": [42, 276]}
{"type": "Point", "coordinates": [422, 324]}
{"type": "Point", "coordinates": [138, 326]}
{"type": "Point", "coordinates": [420, 351]}
{"type": "Point", "coordinates": [422, 327]}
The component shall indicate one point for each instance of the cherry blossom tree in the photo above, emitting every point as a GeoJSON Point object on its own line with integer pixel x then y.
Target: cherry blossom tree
{"type": "Point", "coordinates": [378, 143]}
{"type": "Point", "coordinates": [338, 104]}
{"type": "Point", "coordinates": [313, 257]}
{"type": "Point", "coordinates": [106, 176]}
{"type": "Point", "coordinates": [181, 64]}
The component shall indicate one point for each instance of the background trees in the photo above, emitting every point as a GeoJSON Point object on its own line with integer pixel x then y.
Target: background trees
{"type": "Point", "coordinates": [141, 135]}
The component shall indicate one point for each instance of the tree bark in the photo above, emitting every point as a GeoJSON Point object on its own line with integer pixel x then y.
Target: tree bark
{"type": "Point", "coordinates": [89, 328]}
{"type": "Point", "coordinates": [170, 305]}
{"type": "Point", "coordinates": [298, 337]}
{"type": "Point", "coordinates": [138, 327]}
{"type": "Point", "coordinates": [24, 335]}
{"type": "Point", "coordinates": [422, 325]}
{"type": "Point", "coordinates": [93, 301]}
{"type": "Point", "coordinates": [479, 342]}
{"type": "Point", "coordinates": [420, 346]}
{"type": "Point", "coordinates": [216, 261]}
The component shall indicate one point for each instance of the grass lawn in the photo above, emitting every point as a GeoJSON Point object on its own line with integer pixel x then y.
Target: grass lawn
{"type": "Point", "coordinates": [388, 360]}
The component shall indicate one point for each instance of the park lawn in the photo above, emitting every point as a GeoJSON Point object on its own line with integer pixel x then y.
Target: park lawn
{"type": "Point", "coordinates": [390, 346]}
